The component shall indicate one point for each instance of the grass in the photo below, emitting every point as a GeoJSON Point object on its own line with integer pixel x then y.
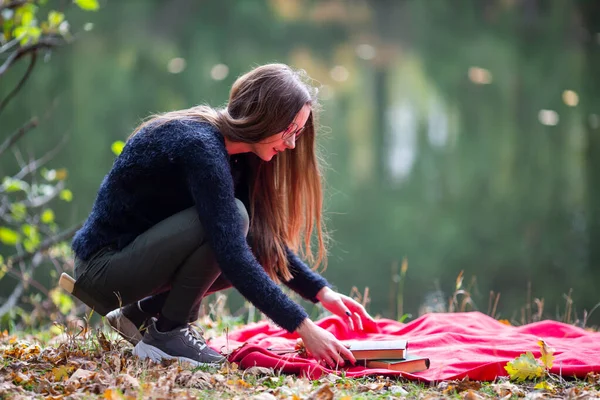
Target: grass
{"type": "Point", "coordinates": [96, 364]}
{"type": "Point", "coordinates": [78, 361]}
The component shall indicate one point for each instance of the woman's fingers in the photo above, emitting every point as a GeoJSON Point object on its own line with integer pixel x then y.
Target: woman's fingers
{"type": "Point", "coordinates": [349, 319]}
{"type": "Point", "coordinates": [336, 359]}
{"type": "Point", "coordinates": [366, 321]}
{"type": "Point", "coordinates": [346, 354]}
{"type": "Point", "coordinates": [328, 361]}
{"type": "Point", "coordinates": [359, 322]}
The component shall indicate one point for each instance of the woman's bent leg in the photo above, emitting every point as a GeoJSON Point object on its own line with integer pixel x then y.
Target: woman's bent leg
{"type": "Point", "coordinates": [151, 262]}
{"type": "Point", "coordinates": [204, 281]}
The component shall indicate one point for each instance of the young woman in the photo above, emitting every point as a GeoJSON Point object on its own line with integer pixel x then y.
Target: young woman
{"type": "Point", "coordinates": [204, 199]}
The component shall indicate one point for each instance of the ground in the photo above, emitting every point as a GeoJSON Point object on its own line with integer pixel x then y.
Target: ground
{"type": "Point", "coordinates": [94, 363]}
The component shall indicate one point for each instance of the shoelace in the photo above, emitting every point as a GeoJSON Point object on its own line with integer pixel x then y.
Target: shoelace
{"type": "Point", "coordinates": [194, 337]}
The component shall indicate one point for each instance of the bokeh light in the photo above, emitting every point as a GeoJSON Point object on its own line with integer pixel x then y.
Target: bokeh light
{"type": "Point", "coordinates": [570, 98]}
{"type": "Point", "coordinates": [176, 65]}
{"type": "Point", "coordinates": [365, 51]}
{"type": "Point", "coordinates": [480, 76]}
{"type": "Point", "coordinates": [219, 72]}
{"type": "Point", "coordinates": [339, 73]}
{"type": "Point", "coordinates": [548, 117]}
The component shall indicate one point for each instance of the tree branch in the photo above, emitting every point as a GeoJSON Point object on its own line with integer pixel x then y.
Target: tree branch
{"type": "Point", "coordinates": [22, 51]}
{"type": "Point", "coordinates": [14, 138]}
{"type": "Point", "coordinates": [12, 299]}
{"type": "Point", "coordinates": [19, 85]}
{"type": "Point", "coordinates": [35, 164]}
{"type": "Point", "coordinates": [46, 244]}
{"type": "Point", "coordinates": [39, 201]}
{"type": "Point", "coordinates": [18, 290]}
{"type": "Point", "coordinates": [13, 4]}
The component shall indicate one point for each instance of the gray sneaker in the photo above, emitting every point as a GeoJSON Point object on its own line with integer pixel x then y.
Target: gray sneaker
{"type": "Point", "coordinates": [183, 344]}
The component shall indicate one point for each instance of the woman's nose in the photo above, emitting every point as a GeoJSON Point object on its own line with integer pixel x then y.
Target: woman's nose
{"type": "Point", "coordinates": [290, 142]}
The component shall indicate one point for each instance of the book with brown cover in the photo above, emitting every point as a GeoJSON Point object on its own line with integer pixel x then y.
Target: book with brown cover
{"type": "Point", "coordinates": [409, 365]}
{"type": "Point", "coordinates": [378, 349]}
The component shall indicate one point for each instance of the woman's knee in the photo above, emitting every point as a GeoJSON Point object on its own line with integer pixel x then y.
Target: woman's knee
{"type": "Point", "coordinates": [245, 216]}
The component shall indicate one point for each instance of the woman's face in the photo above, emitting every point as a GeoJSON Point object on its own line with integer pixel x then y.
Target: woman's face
{"type": "Point", "coordinates": [267, 148]}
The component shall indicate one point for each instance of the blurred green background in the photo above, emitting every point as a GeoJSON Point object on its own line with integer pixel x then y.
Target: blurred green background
{"type": "Point", "coordinates": [460, 135]}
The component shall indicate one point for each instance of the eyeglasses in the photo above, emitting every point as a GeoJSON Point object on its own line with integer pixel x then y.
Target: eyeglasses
{"type": "Point", "coordinates": [292, 130]}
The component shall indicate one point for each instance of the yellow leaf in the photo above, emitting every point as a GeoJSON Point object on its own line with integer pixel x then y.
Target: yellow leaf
{"type": "Point", "coordinates": [88, 5]}
{"type": "Point", "coordinates": [8, 236]}
{"type": "Point", "coordinates": [117, 147]}
{"type": "Point", "coordinates": [55, 330]}
{"type": "Point", "coordinates": [66, 195]}
{"type": "Point", "coordinates": [547, 357]}
{"type": "Point", "coordinates": [524, 367]}
{"type": "Point", "coordinates": [243, 383]}
{"type": "Point", "coordinates": [60, 373]}
{"type": "Point", "coordinates": [47, 216]}
{"type": "Point", "coordinates": [545, 385]}
{"type": "Point", "coordinates": [55, 18]}
{"type": "Point", "coordinates": [114, 394]}
{"type": "Point", "coordinates": [61, 174]}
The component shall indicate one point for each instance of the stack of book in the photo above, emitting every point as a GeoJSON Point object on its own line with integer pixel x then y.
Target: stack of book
{"type": "Point", "coordinates": [388, 354]}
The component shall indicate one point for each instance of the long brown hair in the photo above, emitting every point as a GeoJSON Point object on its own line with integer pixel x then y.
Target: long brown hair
{"type": "Point", "coordinates": [286, 194]}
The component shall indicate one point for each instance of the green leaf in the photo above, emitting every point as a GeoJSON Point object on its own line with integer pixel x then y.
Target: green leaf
{"type": "Point", "coordinates": [3, 270]}
{"type": "Point", "coordinates": [524, 367]}
{"type": "Point", "coordinates": [63, 301]}
{"type": "Point", "coordinates": [29, 245]}
{"type": "Point", "coordinates": [88, 5]}
{"type": "Point", "coordinates": [14, 185]}
{"type": "Point", "coordinates": [117, 147]}
{"type": "Point", "coordinates": [47, 216]}
{"type": "Point", "coordinates": [18, 211]}
{"type": "Point", "coordinates": [27, 34]}
{"type": "Point", "coordinates": [66, 195]}
{"type": "Point", "coordinates": [8, 236]}
{"type": "Point", "coordinates": [29, 230]}
{"type": "Point", "coordinates": [27, 18]}
{"type": "Point", "coordinates": [55, 18]}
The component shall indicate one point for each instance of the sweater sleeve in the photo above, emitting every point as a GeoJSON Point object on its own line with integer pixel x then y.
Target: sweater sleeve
{"type": "Point", "coordinates": [207, 172]}
{"type": "Point", "coordinates": [305, 282]}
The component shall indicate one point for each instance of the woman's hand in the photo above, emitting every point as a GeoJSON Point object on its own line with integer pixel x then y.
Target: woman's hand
{"type": "Point", "coordinates": [323, 346]}
{"type": "Point", "coordinates": [348, 309]}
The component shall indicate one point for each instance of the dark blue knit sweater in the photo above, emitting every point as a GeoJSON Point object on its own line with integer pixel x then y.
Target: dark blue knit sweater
{"type": "Point", "coordinates": [169, 168]}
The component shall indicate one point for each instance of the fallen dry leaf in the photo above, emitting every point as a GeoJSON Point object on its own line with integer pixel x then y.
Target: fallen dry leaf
{"type": "Point", "coordinates": [507, 389]}
{"type": "Point", "coordinates": [370, 387]}
{"type": "Point", "coordinates": [460, 386]}
{"type": "Point", "coordinates": [397, 390]}
{"type": "Point", "coordinates": [264, 396]}
{"type": "Point", "coordinates": [259, 371]}
{"type": "Point", "coordinates": [322, 393]}
{"type": "Point", "coordinates": [471, 395]}
{"type": "Point", "coordinates": [547, 357]}
{"type": "Point", "coordinates": [128, 381]}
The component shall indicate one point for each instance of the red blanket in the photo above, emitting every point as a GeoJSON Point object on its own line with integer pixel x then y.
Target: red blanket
{"type": "Point", "coordinates": [458, 345]}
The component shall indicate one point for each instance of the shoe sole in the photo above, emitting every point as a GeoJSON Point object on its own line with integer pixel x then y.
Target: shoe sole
{"type": "Point", "coordinates": [124, 327]}
{"type": "Point", "coordinates": [144, 350]}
